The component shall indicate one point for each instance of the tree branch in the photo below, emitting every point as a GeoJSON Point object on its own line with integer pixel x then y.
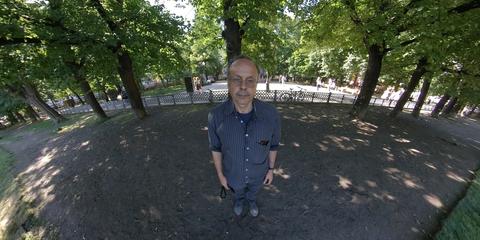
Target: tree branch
{"type": "Point", "coordinates": [353, 12]}
{"type": "Point", "coordinates": [18, 40]}
{"type": "Point", "coordinates": [465, 7]}
{"type": "Point", "coordinates": [403, 44]}
{"type": "Point", "coordinates": [103, 14]}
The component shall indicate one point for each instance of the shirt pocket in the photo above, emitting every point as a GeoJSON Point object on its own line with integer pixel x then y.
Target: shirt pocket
{"type": "Point", "coordinates": [262, 146]}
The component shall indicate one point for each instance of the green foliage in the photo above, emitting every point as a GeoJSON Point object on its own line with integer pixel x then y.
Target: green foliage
{"type": "Point", "coordinates": [464, 221]}
{"type": "Point", "coordinates": [72, 31]}
{"type": "Point", "coordinates": [264, 36]}
{"type": "Point", "coordinates": [9, 103]}
{"type": "Point", "coordinates": [300, 38]}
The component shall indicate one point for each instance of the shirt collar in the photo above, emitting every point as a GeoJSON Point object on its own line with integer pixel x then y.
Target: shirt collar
{"type": "Point", "coordinates": [230, 108]}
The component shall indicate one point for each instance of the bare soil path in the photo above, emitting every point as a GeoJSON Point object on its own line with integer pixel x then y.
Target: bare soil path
{"type": "Point", "coordinates": [336, 178]}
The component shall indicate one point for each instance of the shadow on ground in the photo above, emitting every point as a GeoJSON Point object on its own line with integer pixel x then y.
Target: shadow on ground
{"type": "Point", "coordinates": [336, 178]}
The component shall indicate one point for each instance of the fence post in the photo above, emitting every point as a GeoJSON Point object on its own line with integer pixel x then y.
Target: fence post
{"type": "Point", "coordinates": [210, 95]}
{"type": "Point", "coordinates": [158, 100]}
{"type": "Point", "coordinates": [374, 100]}
{"type": "Point", "coordinates": [274, 95]}
{"type": "Point", "coordinates": [383, 101]}
{"type": "Point", "coordinates": [390, 103]}
{"type": "Point", "coordinates": [328, 98]}
{"type": "Point", "coordinates": [191, 97]}
{"type": "Point", "coordinates": [313, 96]}
{"type": "Point", "coordinates": [174, 103]}
{"type": "Point", "coordinates": [343, 96]}
{"type": "Point", "coordinates": [144, 102]}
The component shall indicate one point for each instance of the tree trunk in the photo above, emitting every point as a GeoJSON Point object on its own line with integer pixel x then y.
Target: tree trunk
{"type": "Point", "coordinates": [448, 109]}
{"type": "Point", "coordinates": [11, 118]}
{"type": "Point", "coordinates": [440, 106]}
{"type": "Point", "coordinates": [32, 114]}
{"type": "Point", "coordinates": [19, 116]}
{"type": "Point", "coordinates": [412, 84]}
{"type": "Point", "coordinates": [119, 89]}
{"type": "Point", "coordinates": [421, 98]}
{"type": "Point", "coordinates": [126, 74]}
{"type": "Point", "coordinates": [125, 68]}
{"type": "Point", "coordinates": [103, 88]}
{"type": "Point", "coordinates": [52, 99]}
{"type": "Point", "coordinates": [233, 32]}
{"type": "Point", "coordinates": [162, 80]}
{"type": "Point", "coordinates": [472, 110]}
{"type": "Point", "coordinates": [458, 108]}
{"type": "Point", "coordinates": [106, 95]}
{"type": "Point", "coordinates": [375, 57]}
{"type": "Point", "coordinates": [78, 73]}
{"type": "Point", "coordinates": [33, 97]}
{"type": "Point", "coordinates": [78, 96]}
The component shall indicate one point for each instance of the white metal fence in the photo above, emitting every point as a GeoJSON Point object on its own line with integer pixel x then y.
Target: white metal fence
{"type": "Point", "coordinates": [215, 96]}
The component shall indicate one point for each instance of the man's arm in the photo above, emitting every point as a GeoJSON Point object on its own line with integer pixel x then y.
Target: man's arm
{"type": "Point", "coordinates": [217, 160]}
{"type": "Point", "coordinates": [272, 156]}
{"type": "Point", "coordinates": [215, 146]}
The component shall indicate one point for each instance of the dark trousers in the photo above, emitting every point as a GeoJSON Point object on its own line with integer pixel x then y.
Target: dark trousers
{"type": "Point", "coordinates": [247, 193]}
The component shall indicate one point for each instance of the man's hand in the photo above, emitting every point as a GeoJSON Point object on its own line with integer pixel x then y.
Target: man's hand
{"type": "Point", "coordinates": [223, 181]}
{"type": "Point", "coordinates": [268, 178]}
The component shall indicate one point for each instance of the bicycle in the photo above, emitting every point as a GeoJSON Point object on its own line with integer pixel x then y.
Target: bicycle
{"type": "Point", "coordinates": [292, 96]}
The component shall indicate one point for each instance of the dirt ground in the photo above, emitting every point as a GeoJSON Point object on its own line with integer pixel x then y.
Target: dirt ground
{"type": "Point", "coordinates": [336, 178]}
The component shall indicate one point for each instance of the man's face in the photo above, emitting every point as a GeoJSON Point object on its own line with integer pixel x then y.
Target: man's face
{"type": "Point", "coordinates": [242, 82]}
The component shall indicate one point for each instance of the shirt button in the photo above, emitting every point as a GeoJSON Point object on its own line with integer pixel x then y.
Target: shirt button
{"type": "Point", "coordinates": [248, 148]}
{"type": "Point", "coordinates": [246, 135]}
{"type": "Point", "coordinates": [246, 159]}
{"type": "Point", "coordinates": [246, 169]}
{"type": "Point", "coordinates": [241, 121]}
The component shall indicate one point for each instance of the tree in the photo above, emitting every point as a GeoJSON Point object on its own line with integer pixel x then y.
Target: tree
{"type": "Point", "coordinates": [134, 28]}
{"type": "Point", "coordinates": [382, 26]}
{"type": "Point", "coordinates": [20, 82]}
{"type": "Point", "coordinates": [247, 20]}
{"type": "Point", "coordinates": [414, 80]}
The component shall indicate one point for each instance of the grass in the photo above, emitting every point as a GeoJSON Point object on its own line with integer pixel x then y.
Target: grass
{"type": "Point", "coordinates": [163, 91]}
{"type": "Point", "coordinates": [6, 163]}
{"type": "Point", "coordinates": [464, 221]}
{"type": "Point", "coordinates": [73, 122]}
{"type": "Point", "coordinates": [18, 216]}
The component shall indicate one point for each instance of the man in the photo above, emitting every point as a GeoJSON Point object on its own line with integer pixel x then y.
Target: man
{"type": "Point", "coordinates": [244, 135]}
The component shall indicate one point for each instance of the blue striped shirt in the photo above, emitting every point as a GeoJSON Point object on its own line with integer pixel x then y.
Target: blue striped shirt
{"type": "Point", "coordinates": [244, 147]}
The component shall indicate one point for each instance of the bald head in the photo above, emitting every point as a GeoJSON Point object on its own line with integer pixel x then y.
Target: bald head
{"type": "Point", "coordinates": [243, 61]}
{"type": "Point", "coordinates": [242, 83]}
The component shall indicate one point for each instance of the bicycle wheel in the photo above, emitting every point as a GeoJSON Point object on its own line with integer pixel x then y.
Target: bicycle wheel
{"type": "Point", "coordinates": [285, 97]}
{"type": "Point", "coordinates": [301, 96]}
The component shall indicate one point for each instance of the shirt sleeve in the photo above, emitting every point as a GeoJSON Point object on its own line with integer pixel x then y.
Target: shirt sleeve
{"type": "Point", "coordinates": [213, 139]}
{"type": "Point", "coordinates": [276, 132]}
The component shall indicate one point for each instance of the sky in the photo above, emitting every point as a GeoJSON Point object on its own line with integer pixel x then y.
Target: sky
{"type": "Point", "coordinates": [180, 8]}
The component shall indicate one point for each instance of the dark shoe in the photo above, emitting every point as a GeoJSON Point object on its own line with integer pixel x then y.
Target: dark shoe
{"type": "Point", "coordinates": [238, 208]}
{"type": "Point", "coordinates": [253, 209]}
